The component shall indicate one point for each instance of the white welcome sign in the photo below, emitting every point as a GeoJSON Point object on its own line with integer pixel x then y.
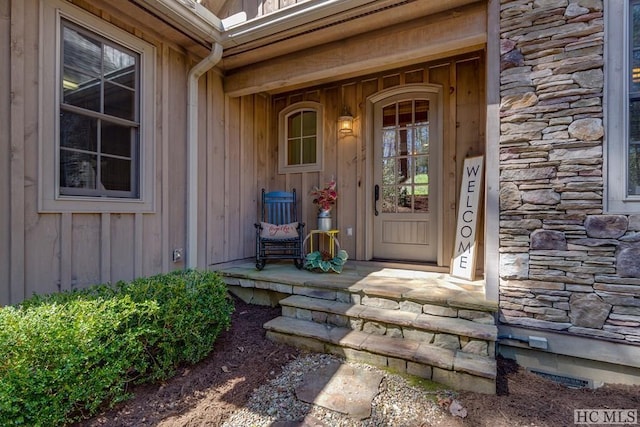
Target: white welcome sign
{"type": "Point", "coordinates": [463, 264]}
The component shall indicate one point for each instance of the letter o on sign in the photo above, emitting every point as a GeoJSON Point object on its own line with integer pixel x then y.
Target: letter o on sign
{"type": "Point", "coordinates": [466, 231]}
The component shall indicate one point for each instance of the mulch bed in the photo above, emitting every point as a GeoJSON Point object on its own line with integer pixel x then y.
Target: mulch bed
{"type": "Point", "coordinates": [243, 359]}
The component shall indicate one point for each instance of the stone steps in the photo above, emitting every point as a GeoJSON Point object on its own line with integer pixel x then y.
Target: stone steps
{"type": "Point", "coordinates": [425, 323]}
{"type": "Point", "coordinates": [307, 308]}
{"type": "Point", "coordinates": [465, 371]}
{"type": "Point", "coordinates": [457, 352]}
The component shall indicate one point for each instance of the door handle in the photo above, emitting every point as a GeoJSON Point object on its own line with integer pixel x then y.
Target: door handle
{"type": "Point", "coordinates": [376, 196]}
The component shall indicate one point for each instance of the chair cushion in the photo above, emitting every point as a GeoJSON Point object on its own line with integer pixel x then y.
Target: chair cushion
{"type": "Point", "coordinates": [279, 232]}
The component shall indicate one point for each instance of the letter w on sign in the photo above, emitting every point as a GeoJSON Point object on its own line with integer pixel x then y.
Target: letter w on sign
{"type": "Point", "coordinates": [463, 264]}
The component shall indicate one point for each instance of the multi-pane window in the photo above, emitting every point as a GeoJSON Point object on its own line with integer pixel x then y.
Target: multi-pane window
{"type": "Point", "coordinates": [621, 106]}
{"type": "Point", "coordinates": [300, 127]}
{"type": "Point", "coordinates": [99, 116]}
{"type": "Point", "coordinates": [405, 156]}
{"type": "Point", "coordinates": [301, 137]}
{"type": "Point", "coordinates": [633, 153]}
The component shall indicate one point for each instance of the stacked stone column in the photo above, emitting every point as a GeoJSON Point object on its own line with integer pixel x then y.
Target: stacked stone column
{"type": "Point", "coordinates": [564, 263]}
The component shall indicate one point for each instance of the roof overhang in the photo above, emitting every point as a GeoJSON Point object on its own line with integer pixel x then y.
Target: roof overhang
{"type": "Point", "coordinates": [188, 16]}
{"type": "Point", "coordinates": [317, 22]}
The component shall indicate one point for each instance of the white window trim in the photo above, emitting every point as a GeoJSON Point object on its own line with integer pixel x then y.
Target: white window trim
{"type": "Point", "coordinates": [616, 108]}
{"type": "Point", "coordinates": [283, 168]}
{"type": "Point", "coordinates": [49, 198]}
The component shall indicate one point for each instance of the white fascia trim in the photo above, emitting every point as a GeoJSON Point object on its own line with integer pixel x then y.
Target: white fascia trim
{"type": "Point", "coordinates": [190, 17]}
{"type": "Point", "coordinates": [287, 18]}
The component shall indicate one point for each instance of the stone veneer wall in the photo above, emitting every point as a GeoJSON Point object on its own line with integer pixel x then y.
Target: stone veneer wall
{"type": "Point", "coordinates": [564, 265]}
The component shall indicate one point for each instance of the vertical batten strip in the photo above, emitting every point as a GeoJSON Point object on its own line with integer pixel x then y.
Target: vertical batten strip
{"type": "Point", "coordinates": [164, 173]}
{"type": "Point", "coordinates": [105, 247]}
{"type": "Point", "coordinates": [138, 230]}
{"type": "Point", "coordinates": [17, 135]}
{"type": "Point", "coordinates": [361, 201]}
{"type": "Point", "coordinates": [66, 250]}
{"type": "Point", "coordinates": [492, 165]}
{"type": "Point", "coordinates": [227, 106]}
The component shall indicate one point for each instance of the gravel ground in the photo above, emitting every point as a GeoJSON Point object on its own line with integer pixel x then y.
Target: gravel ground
{"type": "Point", "coordinates": [397, 403]}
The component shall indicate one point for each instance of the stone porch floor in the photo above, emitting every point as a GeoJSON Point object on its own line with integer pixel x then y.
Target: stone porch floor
{"type": "Point", "coordinates": [382, 279]}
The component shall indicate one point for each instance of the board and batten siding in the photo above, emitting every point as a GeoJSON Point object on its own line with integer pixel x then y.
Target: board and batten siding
{"type": "Point", "coordinates": [48, 252]}
{"type": "Point", "coordinates": [345, 157]}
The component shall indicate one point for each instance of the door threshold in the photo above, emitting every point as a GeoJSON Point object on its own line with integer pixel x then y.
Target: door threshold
{"type": "Point", "coordinates": [402, 265]}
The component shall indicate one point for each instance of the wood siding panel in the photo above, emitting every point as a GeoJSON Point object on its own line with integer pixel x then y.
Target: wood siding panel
{"type": "Point", "coordinates": [233, 167]}
{"type": "Point", "coordinates": [66, 250]}
{"type": "Point", "coordinates": [122, 247]}
{"type": "Point", "coordinates": [216, 181]}
{"type": "Point", "coordinates": [5, 156]}
{"type": "Point", "coordinates": [85, 267]}
{"type": "Point", "coordinates": [364, 225]}
{"type": "Point", "coordinates": [347, 170]}
{"type": "Point", "coordinates": [470, 129]}
{"type": "Point", "coordinates": [41, 232]}
{"type": "Point", "coordinates": [177, 152]}
{"type": "Point", "coordinates": [42, 257]}
{"type": "Point", "coordinates": [17, 166]}
{"type": "Point", "coordinates": [247, 177]}
{"type": "Point", "coordinates": [442, 74]}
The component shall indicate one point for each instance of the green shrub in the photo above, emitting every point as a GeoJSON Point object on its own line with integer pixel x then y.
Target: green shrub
{"type": "Point", "coordinates": [67, 354]}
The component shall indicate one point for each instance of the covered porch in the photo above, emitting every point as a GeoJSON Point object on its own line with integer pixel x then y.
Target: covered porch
{"type": "Point", "coordinates": [393, 315]}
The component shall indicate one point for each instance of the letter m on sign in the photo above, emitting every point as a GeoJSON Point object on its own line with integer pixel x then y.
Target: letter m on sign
{"type": "Point", "coordinates": [463, 263]}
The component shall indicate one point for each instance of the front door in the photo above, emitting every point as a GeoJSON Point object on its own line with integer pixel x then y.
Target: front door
{"type": "Point", "coordinates": [406, 143]}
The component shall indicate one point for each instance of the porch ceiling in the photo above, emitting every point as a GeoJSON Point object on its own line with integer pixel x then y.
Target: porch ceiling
{"type": "Point", "coordinates": [448, 33]}
{"type": "Point", "coordinates": [315, 23]}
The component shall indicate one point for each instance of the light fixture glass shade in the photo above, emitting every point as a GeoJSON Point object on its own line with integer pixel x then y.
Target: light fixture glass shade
{"type": "Point", "coordinates": [345, 121]}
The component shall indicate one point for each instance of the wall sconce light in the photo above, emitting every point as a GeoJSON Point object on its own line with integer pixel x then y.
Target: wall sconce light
{"type": "Point", "coordinates": [345, 121]}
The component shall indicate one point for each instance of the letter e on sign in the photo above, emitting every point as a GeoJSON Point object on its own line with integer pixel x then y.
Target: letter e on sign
{"type": "Point", "coordinates": [463, 264]}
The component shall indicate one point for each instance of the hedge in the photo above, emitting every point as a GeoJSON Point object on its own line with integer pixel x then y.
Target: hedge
{"type": "Point", "coordinates": [64, 356]}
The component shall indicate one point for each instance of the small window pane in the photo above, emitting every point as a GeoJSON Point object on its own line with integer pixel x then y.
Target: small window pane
{"type": "Point", "coordinates": [309, 150]}
{"type": "Point", "coordinates": [389, 116]}
{"type": "Point", "coordinates": [405, 113]}
{"type": "Point", "coordinates": [119, 101]}
{"type": "Point", "coordinates": [116, 140]}
{"type": "Point", "coordinates": [294, 125]}
{"type": "Point", "coordinates": [119, 66]}
{"type": "Point", "coordinates": [77, 170]}
{"type": "Point", "coordinates": [115, 174]}
{"type": "Point", "coordinates": [388, 171]}
{"type": "Point", "coordinates": [422, 111]}
{"type": "Point", "coordinates": [388, 143]}
{"type": "Point", "coordinates": [389, 200]}
{"type": "Point", "coordinates": [421, 200]}
{"type": "Point", "coordinates": [81, 90]}
{"type": "Point", "coordinates": [79, 132]}
{"type": "Point", "coordinates": [308, 123]}
{"type": "Point", "coordinates": [421, 145]}
{"type": "Point", "coordinates": [293, 152]}
{"type": "Point", "coordinates": [82, 52]}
